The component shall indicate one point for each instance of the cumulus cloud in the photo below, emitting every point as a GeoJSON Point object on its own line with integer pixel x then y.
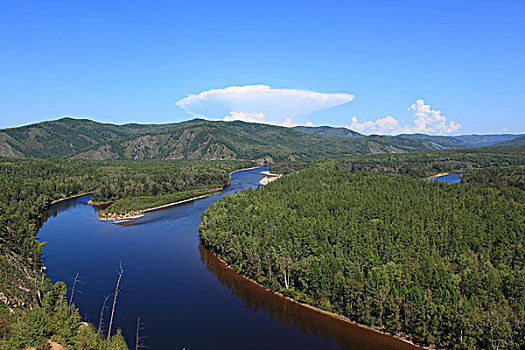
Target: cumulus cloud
{"type": "Point", "coordinates": [431, 120]}
{"type": "Point", "coordinates": [245, 117]}
{"type": "Point", "coordinates": [261, 103]}
{"type": "Point", "coordinates": [386, 125]}
{"type": "Point", "coordinates": [426, 120]}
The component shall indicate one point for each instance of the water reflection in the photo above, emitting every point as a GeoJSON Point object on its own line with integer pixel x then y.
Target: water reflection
{"type": "Point", "coordinates": [289, 314]}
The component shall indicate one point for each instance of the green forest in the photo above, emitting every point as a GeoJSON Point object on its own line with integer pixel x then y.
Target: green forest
{"type": "Point", "coordinates": [32, 309]}
{"type": "Point", "coordinates": [196, 139]}
{"type": "Point", "coordinates": [368, 238]}
{"type": "Point", "coordinates": [365, 237]}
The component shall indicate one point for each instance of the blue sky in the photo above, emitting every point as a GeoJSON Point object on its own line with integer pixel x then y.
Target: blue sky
{"type": "Point", "coordinates": [395, 66]}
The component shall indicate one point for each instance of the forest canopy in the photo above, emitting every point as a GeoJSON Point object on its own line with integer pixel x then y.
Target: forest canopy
{"type": "Point", "coordinates": [370, 239]}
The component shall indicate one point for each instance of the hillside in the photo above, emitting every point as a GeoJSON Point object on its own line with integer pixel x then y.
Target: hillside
{"type": "Point", "coordinates": [431, 142]}
{"type": "Point", "coordinates": [195, 139]}
{"type": "Point", "coordinates": [328, 131]}
{"type": "Point", "coordinates": [518, 141]}
{"type": "Point", "coordinates": [436, 142]}
{"type": "Point", "coordinates": [475, 141]}
{"type": "Point", "coordinates": [67, 136]}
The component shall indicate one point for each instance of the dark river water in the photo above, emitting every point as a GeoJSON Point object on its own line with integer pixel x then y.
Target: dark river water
{"type": "Point", "coordinates": [182, 293]}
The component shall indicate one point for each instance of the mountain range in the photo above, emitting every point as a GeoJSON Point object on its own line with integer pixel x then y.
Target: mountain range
{"type": "Point", "coordinates": [209, 140]}
{"type": "Point", "coordinates": [434, 142]}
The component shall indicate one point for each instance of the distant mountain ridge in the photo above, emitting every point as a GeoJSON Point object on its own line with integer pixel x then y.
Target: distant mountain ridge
{"type": "Point", "coordinates": [202, 139]}
{"type": "Point", "coordinates": [194, 139]}
{"type": "Point", "coordinates": [475, 140]}
{"type": "Point", "coordinates": [434, 142]}
{"type": "Point", "coordinates": [518, 141]}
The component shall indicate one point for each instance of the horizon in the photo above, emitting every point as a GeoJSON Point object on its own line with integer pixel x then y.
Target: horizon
{"type": "Point", "coordinates": [442, 68]}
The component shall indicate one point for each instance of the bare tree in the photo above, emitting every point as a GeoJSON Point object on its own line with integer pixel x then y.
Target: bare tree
{"type": "Point", "coordinates": [101, 319]}
{"type": "Point", "coordinates": [117, 290]}
{"type": "Point", "coordinates": [75, 280]}
{"type": "Point", "coordinates": [138, 338]}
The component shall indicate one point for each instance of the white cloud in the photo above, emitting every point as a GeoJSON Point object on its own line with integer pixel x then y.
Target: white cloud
{"type": "Point", "coordinates": [431, 120]}
{"type": "Point", "coordinates": [426, 120]}
{"type": "Point", "coordinates": [245, 117]}
{"type": "Point", "coordinates": [288, 123]}
{"type": "Point", "coordinates": [259, 118]}
{"type": "Point", "coordinates": [261, 103]}
{"type": "Point", "coordinates": [386, 125]}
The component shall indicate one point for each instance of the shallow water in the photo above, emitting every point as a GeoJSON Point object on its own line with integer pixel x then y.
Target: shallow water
{"type": "Point", "coordinates": [182, 293]}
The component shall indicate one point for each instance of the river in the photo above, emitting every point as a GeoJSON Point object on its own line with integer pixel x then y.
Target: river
{"type": "Point", "coordinates": [182, 293]}
{"type": "Point", "coordinates": [450, 178]}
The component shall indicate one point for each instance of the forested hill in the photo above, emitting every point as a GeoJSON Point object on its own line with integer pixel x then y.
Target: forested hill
{"type": "Point", "coordinates": [463, 141]}
{"type": "Point", "coordinates": [516, 141]}
{"type": "Point", "coordinates": [487, 140]}
{"type": "Point", "coordinates": [67, 136]}
{"type": "Point", "coordinates": [196, 139]}
{"type": "Point", "coordinates": [432, 142]}
{"type": "Point", "coordinates": [328, 131]}
{"type": "Point", "coordinates": [370, 239]}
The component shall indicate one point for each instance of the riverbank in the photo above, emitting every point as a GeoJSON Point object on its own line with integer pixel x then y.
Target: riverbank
{"type": "Point", "coordinates": [313, 308]}
{"type": "Point", "coordinates": [435, 176]}
{"type": "Point", "coordinates": [136, 214]}
{"type": "Point", "coordinates": [243, 169]}
{"type": "Point", "coordinates": [100, 203]}
{"type": "Point", "coordinates": [67, 198]}
{"type": "Point", "coordinates": [269, 178]}
{"type": "Point", "coordinates": [448, 173]}
{"type": "Point", "coordinates": [132, 215]}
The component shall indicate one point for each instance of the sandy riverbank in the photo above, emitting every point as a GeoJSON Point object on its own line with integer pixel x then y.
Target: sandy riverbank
{"type": "Point", "coordinates": [100, 203]}
{"type": "Point", "coordinates": [437, 175]}
{"type": "Point", "coordinates": [269, 177]}
{"type": "Point", "coordinates": [132, 215]}
{"type": "Point", "coordinates": [243, 169]}
{"type": "Point", "coordinates": [316, 309]}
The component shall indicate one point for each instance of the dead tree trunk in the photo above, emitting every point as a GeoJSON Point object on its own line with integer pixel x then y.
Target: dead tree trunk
{"type": "Point", "coordinates": [137, 335]}
{"type": "Point", "coordinates": [138, 338]}
{"type": "Point", "coordinates": [114, 303]}
{"type": "Point", "coordinates": [73, 290]}
{"type": "Point", "coordinates": [101, 319]}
